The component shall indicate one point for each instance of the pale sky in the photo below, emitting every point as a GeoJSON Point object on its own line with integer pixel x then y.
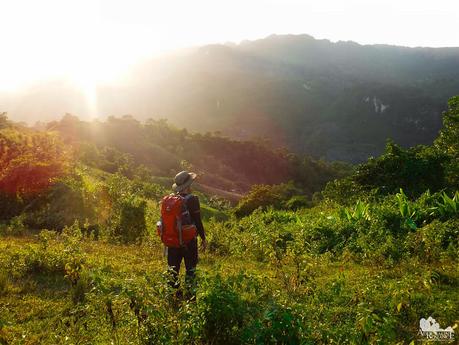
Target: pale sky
{"type": "Point", "coordinates": [94, 41]}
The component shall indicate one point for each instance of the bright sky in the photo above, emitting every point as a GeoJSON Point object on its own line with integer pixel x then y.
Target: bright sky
{"type": "Point", "coordinates": [94, 41]}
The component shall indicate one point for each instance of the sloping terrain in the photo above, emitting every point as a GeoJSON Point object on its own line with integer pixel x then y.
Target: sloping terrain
{"type": "Point", "coordinates": [338, 100]}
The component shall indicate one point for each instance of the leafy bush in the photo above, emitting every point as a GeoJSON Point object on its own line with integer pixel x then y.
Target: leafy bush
{"type": "Point", "coordinates": [415, 170]}
{"type": "Point", "coordinates": [221, 311]}
{"type": "Point", "coordinates": [4, 282]}
{"type": "Point", "coordinates": [73, 198]}
{"type": "Point", "coordinates": [297, 202]}
{"type": "Point", "coordinates": [278, 324]}
{"type": "Point", "coordinates": [30, 161]}
{"type": "Point", "coordinates": [264, 196]}
{"type": "Point", "coordinates": [10, 206]}
{"type": "Point", "coordinates": [15, 226]}
{"type": "Point", "coordinates": [447, 207]}
{"type": "Point", "coordinates": [435, 239]}
{"type": "Point", "coordinates": [80, 287]}
{"type": "Point", "coordinates": [447, 142]}
{"type": "Point", "coordinates": [128, 211]}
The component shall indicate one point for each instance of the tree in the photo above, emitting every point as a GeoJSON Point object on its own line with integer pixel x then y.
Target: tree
{"type": "Point", "coordinates": [3, 120]}
{"type": "Point", "coordinates": [29, 162]}
{"type": "Point", "coordinates": [448, 141]}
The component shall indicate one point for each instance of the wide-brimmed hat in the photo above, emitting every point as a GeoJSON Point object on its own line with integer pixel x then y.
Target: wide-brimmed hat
{"type": "Point", "coordinates": [183, 180]}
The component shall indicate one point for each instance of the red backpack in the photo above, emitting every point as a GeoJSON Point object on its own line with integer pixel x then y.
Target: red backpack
{"type": "Point", "coordinates": [175, 227]}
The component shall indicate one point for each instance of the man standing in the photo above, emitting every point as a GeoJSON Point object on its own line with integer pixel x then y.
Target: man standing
{"type": "Point", "coordinates": [188, 251]}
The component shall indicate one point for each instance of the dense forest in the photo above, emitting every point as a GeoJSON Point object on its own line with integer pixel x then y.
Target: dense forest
{"type": "Point", "coordinates": [300, 251]}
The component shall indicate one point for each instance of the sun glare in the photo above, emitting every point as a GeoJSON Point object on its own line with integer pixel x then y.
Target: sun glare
{"type": "Point", "coordinates": [92, 42]}
{"type": "Point", "coordinates": [53, 40]}
{"type": "Point", "coordinates": [50, 39]}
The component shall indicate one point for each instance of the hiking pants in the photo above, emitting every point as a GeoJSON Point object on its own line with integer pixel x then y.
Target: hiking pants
{"type": "Point", "coordinates": [174, 259]}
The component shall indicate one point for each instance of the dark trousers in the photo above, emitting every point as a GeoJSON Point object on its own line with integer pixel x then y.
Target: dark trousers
{"type": "Point", "coordinates": [174, 260]}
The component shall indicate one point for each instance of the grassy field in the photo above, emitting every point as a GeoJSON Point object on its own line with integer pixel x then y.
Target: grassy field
{"type": "Point", "coordinates": [361, 262]}
{"type": "Point", "coordinates": [63, 289]}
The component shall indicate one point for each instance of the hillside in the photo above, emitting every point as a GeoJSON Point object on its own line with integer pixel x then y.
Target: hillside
{"type": "Point", "coordinates": [338, 100]}
{"type": "Point", "coordinates": [55, 170]}
{"type": "Point", "coordinates": [156, 148]}
{"type": "Point", "coordinates": [363, 262]}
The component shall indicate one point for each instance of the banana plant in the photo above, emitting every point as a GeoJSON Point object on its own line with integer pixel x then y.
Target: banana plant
{"type": "Point", "coordinates": [361, 210]}
{"type": "Point", "coordinates": [447, 206]}
{"type": "Point", "coordinates": [406, 210]}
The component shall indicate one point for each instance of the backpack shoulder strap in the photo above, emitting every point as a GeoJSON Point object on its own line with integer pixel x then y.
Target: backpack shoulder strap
{"type": "Point", "coordinates": [185, 199]}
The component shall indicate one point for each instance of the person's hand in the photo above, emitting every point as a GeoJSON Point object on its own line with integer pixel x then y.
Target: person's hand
{"type": "Point", "coordinates": [203, 245]}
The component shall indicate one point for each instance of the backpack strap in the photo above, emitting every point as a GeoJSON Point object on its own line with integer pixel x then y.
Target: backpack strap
{"type": "Point", "coordinates": [188, 197]}
{"type": "Point", "coordinates": [185, 212]}
{"type": "Point", "coordinates": [185, 203]}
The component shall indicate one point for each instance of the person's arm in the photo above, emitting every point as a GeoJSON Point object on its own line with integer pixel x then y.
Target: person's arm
{"type": "Point", "coordinates": [195, 213]}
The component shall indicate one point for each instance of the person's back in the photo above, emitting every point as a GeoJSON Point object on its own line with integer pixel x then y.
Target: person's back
{"type": "Point", "coordinates": [187, 251]}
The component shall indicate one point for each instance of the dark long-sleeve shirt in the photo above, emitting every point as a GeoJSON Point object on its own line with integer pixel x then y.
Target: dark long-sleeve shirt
{"type": "Point", "coordinates": [195, 212]}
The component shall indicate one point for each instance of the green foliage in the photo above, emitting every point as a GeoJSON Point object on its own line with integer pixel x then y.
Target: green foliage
{"type": "Point", "coordinates": [415, 170]}
{"type": "Point", "coordinates": [447, 206]}
{"type": "Point", "coordinates": [15, 226]}
{"type": "Point", "coordinates": [221, 311]}
{"type": "Point", "coordinates": [107, 159]}
{"type": "Point", "coordinates": [264, 196]}
{"type": "Point", "coordinates": [378, 231]}
{"type": "Point", "coordinates": [120, 301]}
{"type": "Point", "coordinates": [74, 197]}
{"type": "Point", "coordinates": [3, 120]}
{"type": "Point", "coordinates": [449, 134]}
{"type": "Point", "coordinates": [80, 287]}
{"type": "Point", "coordinates": [128, 215]}
{"type": "Point", "coordinates": [132, 226]}
{"type": "Point", "coordinates": [126, 146]}
{"type": "Point", "coordinates": [406, 210]}
{"type": "Point", "coordinates": [436, 240]}
{"type": "Point", "coordinates": [345, 191]}
{"type": "Point", "coordinates": [4, 282]}
{"type": "Point", "coordinates": [297, 202]}
{"type": "Point", "coordinates": [363, 265]}
{"type": "Point", "coordinates": [279, 324]}
{"type": "Point", "coordinates": [30, 161]}
{"type": "Point", "coordinates": [359, 212]}
{"type": "Point", "coordinates": [10, 206]}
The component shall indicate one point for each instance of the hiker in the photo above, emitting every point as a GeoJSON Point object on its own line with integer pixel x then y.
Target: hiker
{"type": "Point", "coordinates": [181, 223]}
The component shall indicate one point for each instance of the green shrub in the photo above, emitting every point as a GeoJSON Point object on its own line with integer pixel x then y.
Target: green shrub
{"type": "Point", "coordinates": [132, 226]}
{"type": "Point", "coordinates": [264, 196]}
{"type": "Point", "coordinates": [375, 326]}
{"type": "Point", "coordinates": [447, 207]}
{"type": "Point", "coordinates": [15, 227]}
{"type": "Point", "coordinates": [278, 324]}
{"type": "Point", "coordinates": [54, 255]}
{"type": "Point", "coordinates": [80, 287]}
{"type": "Point", "coordinates": [297, 202]}
{"type": "Point", "coordinates": [344, 191]}
{"type": "Point", "coordinates": [414, 169]}
{"type": "Point", "coordinates": [434, 239]}
{"type": "Point", "coordinates": [4, 282]}
{"type": "Point", "coordinates": [10, 205]}
{"type": "Point", "coordinates": [220, 237]}
{"type": "Point", "coordinates": [221, 311]}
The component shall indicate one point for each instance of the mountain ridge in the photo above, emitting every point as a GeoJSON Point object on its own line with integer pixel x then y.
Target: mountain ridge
{"type": "Point", "coordinates": [338, 101]}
